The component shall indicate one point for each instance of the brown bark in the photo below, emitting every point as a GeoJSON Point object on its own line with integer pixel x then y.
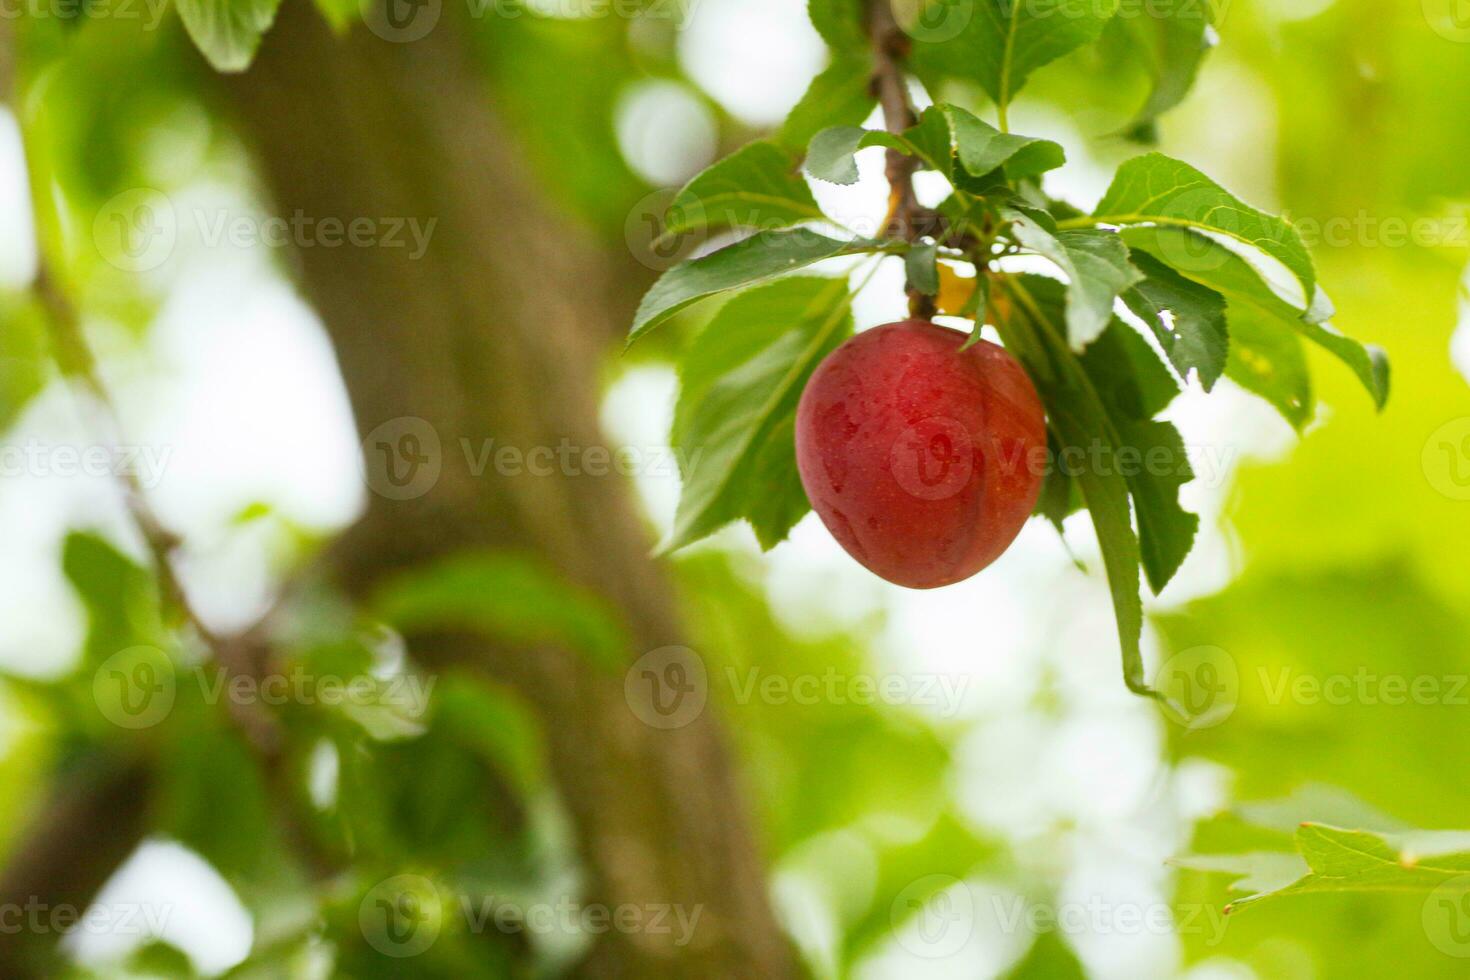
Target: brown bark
{"type": "Point", "coordinates": [496, 333]}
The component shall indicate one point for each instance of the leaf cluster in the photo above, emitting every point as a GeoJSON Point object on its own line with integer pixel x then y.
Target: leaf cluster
{"type": "Point", "coordinates": [1214, 288]}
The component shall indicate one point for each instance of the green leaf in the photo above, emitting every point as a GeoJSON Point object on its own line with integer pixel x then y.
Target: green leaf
{"type": "Point", "coordinates": [976, 308]}
{"type": "Point", "coordinates": [734, 422]}
{"type": "Point", "coordinates": [1258, 871]}
{"type": "Point", "coordinates": [496, 720]}
{"type": "Point", "coordinates": [228, 31]}
{"type": "Point", "coordinates": [839, 96]}
{"type": "Point", "coordinates": [1250, 297]}
{"type": "Point", "coordinates": [1270, 362]}
{"type": "Point", "coordinates": [1330, 859]}
{"type": "Point", "coordinates": [832, 152]}
{"type": "Point", "coordinates": [507, 597]}
{"type": "Point", "coordinates": [922, 267]}
{"type": "Point", "coordinates": [1171, 38]}
{"type": "Point", "coordinates": [1265, 353]}
{"type": "Point", "coordinates": [158, 959]}
{"type": "Point", "coordinates": [1316, 803]}
{"type": "Point", "coordinates": [120, 597]}
{"type": "Point", "coordinates": [944, 136]}
{"type": "Point", "coordinates": [982, 148]}
{"type": "Point", "coordinates": [1131, 380]}
{"type": "Point", "coordinates": [1368, 362]}
{"type": "Point", "coordinates": [1096, 266]}
{"type": "Point", "coordinates": [339, 14]}
{"type": "Point", "coordinates": [393, 710]}
{"type": "Point", "coordinates": [1187, 318]}
{"type": "Point", "coordinates": [758, 186]}
{"type": "Point", "coordinates": [24, 362]}
{"type": "Point", "coordinates": [1059, 499]}
{"type": "Point", "coordinates": [1050, 958]}
{"type": "Point", "coordinates": [1033, 332]}
{"type": "Point", "coordinates": [1134, 386]}
{"type": "Point", "coordinates": [211, 796]}
{"type": "Point", "coordinates": [773, 514]}
{"type": "Point", "coordinates": [1155, 189]}
{"type": "Point", "coordinates": [842, 23]}
{"type": "Point", "coordinates": [1004, 41]}
{"type": "Point", "coordinates": [757, 259]}
{"type": "Point", "coordinates": [831, 156]}
{"type": "Point", "coordinates": [842, 94]}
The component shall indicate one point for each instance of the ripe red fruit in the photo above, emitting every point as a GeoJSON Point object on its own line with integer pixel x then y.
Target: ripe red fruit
{"type": "Point", "coordinates": [922, 460]}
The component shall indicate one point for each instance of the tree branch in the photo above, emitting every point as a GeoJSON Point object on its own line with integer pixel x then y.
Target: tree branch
{"type": "Point", "coordinates": [890, 86]}
{"type": "Point", "coordinates": [907, 219]}
{"type": "Point", "coordinates": [496, 332]}
{"type": "Point", "coordinates": [96, 812]}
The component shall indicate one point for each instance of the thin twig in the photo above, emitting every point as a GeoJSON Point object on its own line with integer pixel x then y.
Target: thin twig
{"type": "Point", "coordinates": [244, 654]}
{"type": "Point", "coordinates": [907, 219]}
{"type": "Point", "coordinates": [79, 366]}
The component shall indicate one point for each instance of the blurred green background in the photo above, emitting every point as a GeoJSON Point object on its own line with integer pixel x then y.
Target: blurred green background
{"type": "Point", "coordinates": [1001, 808]}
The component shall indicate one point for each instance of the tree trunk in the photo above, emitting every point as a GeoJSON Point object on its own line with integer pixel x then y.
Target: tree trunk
{"type": "Point", "coordinates": [496, 332]}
